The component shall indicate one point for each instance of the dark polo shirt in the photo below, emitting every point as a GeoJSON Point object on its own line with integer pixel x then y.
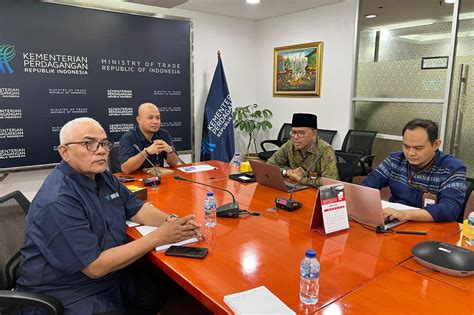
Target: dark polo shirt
{"type": "Point", "coordinates": [135, 136]}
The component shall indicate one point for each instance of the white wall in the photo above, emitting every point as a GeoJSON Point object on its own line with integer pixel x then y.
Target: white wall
{"type": "Point", "coordinates": [247, 54]}
{"type": "Point", "coordinates": [334, 25]}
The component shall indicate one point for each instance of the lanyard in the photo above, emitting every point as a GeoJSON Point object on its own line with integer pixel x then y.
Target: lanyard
{"type": "Point", "coordinates": [426, 168]}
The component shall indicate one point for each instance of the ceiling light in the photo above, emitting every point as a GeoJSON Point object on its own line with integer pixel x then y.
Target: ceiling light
{"type": "Point", "coordinates": [449, 1]}
{"type": "Point", "coordinates": [253, 1]}
{"type": "Point", "coordinates": [370, 16]}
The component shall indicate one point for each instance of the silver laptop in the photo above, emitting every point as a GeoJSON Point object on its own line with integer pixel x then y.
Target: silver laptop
{"type": "Point", "coordinates": [364, 205]}
{"type": "Point", "coordinates": [270, 175]}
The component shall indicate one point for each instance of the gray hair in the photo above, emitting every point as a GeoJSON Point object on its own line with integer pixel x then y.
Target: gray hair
{"type": "Point", "coordinates": [66, 131]}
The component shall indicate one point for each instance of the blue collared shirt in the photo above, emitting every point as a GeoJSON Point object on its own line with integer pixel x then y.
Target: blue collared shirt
{"type": "Point", "coordinates": [72, 219]}
{"type": "Point", "coordinates": [135, 136]}
{"type": "Point", "coordinates": [446, 179]}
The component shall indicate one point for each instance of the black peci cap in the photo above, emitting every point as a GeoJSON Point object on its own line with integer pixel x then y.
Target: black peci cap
{"type": "Point", "coordinates": [305, 120]}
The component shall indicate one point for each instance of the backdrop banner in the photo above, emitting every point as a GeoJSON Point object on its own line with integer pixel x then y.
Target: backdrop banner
{"type": "Point", "coordinates": [60, 62]}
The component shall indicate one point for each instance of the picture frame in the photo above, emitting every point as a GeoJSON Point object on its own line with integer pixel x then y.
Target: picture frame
{"type": "Point", "coordinates": [297, 70]}
{"type": "Point", "coordinates": [440, 62]}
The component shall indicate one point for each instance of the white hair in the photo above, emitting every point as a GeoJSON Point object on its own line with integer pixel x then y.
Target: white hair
{"type": "Point", "coordinates": [66, 131]}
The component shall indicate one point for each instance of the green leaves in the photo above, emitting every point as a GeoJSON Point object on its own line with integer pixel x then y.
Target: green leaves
{"type": "Point", "coordinates": [251, 120]}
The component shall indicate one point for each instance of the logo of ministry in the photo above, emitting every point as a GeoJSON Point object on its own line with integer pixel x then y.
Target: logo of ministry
{"type": "Point", "coordinates": [7, 53]}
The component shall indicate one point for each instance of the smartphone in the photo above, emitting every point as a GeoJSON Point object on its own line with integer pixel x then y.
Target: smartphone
{"type": "Point", "coordinates": [126, 179]}
{"type": "Point", "coordinates": [186, 251]}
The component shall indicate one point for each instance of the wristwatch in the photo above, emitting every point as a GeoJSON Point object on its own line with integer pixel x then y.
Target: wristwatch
{"type": "Point", "coordinates": [172, 217]}
{"type": "Point", "coordinates": [284, 172]}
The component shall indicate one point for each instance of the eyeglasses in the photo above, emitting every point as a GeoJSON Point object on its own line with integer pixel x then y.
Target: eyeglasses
{"type": "Point", "coordinates": [93, 145]}
{"type": "Point", "coordinates": [297, 134]}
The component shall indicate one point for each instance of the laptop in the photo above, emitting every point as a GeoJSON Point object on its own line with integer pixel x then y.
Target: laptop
{"type": "Point", "coordinates": [364, 205]}
{"type": "Point", "coordinates": [270, 175]}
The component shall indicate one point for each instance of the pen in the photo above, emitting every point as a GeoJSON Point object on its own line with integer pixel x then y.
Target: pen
{"type": "Point", "coordinates": [411, 232]}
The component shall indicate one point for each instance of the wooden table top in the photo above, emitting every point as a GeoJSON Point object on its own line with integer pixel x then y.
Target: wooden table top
{"type": "Point", "coordinates": [251, 251]}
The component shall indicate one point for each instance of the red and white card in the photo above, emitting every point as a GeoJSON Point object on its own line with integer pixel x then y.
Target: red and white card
{"type": "Point", "coordinates": [330, 210]}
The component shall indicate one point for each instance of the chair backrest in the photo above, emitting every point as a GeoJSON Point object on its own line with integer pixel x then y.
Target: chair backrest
{"type": "Point", "coordinates": [359, 142]}
{"type": "Point", "coordinates": [284, 133]}
{"type": "Point", "coordinates": [13, 209]}
{"type": "Point", "coordinates": [466, 209]}
{"type": "Point", "coordinates": [346, 164]}
{"type": "Point", "coordinates": [114, 164]}
{"type": "Point", "coordinates": [327, 135]}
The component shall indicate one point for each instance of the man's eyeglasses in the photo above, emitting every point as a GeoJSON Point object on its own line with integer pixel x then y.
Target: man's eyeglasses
{"type": "Point", "coordinates": [297, 134]}
{"type": "Point", "coordinates": [93, 145]}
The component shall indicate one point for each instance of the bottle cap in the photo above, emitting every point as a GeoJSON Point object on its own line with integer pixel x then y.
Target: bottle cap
{"type": "Point", "coordinates": [310, 253]}
{"type": "Point", "coordinates": [210, 193]}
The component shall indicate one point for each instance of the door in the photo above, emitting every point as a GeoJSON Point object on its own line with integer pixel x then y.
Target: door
{"type": "Point", "coordinates": [405, 70]}
{"type": "Point", "coordinates": [459, 140]}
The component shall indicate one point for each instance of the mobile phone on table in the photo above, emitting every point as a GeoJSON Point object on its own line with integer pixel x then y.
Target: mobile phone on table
{"type": "Point", "coordinates": [126, 179]}
{"type": "Point", "coordinates": [186, 251]}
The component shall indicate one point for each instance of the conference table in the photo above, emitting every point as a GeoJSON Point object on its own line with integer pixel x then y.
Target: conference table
{"type": "Point", "coordinates": [361, 271]}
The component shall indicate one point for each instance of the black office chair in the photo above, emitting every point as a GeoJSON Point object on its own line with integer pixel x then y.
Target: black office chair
{"type": "Point", "coordinates": [466, 211]}
{"type": "Point", "coordinates": [359, 142]}
{"type": "Point", "coordinates": [346, 165]}
{"type": "Point", "coordinates": [13, 209]}
{"type": "Point", "coordinates": [283, 136]}
{"type": "Point", "coordinates": [327, 135]}
{"type": "Point", "coordinates": [114, 164]}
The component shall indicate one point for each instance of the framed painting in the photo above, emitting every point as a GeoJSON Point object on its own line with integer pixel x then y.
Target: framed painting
{"type": "Point", "coordinates": [297, 70]}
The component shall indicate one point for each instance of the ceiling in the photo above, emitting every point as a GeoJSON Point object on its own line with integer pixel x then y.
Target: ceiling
{"type": "Point", "coordinates": [389, 12]}
{"type": "Point", "coordinates": [264, 10]}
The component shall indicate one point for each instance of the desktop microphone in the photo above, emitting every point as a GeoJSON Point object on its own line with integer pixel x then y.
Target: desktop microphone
{"type": "Point", "coordinates": [230, 210]}
{"type": "Point", "coordinates": [150, 180]}
{"type": "Point", "coordinates": [288, 203]}
{"type": "Point", "coordinates": [179, 159]}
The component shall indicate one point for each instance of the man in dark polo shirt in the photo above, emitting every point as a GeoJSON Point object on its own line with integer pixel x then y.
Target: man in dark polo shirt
{"type": "Point", "coordinates": [76, 248]}
{"type": "Point", "coordinates": [154, 142]}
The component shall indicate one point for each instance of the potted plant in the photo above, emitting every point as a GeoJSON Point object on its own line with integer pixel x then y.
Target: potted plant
{"type": "Point", "coordinates": [251, 120]}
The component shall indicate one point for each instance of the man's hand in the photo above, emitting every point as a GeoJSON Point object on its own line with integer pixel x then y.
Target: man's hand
{"type": "Point", "coordinates": [295, 174]}
{"type": "Point", "coordinates": [391, 214]}
{"type": "Point", "coordinates": [177, 230]}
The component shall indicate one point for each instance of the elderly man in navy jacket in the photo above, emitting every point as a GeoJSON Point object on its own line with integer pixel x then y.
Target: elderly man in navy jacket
{"type": "Point", "coordinates": [76, 247]}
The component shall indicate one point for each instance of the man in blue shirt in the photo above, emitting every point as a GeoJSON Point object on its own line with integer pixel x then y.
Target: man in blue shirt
{"type": "Point", "coordinates": [155, 143]}
{"type": "Point", "coordinates": [76, 247]}
{"type": "Point", "coordinates": [422, 177]}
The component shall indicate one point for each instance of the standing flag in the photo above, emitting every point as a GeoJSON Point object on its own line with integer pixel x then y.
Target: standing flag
{"type": "Point", "coordinates": [217, 128]}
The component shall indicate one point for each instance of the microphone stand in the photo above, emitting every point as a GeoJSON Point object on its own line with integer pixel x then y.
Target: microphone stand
{"type": "Point", "coordinates": [152, 165]}
{"type": "Point", "coordinates": [179, 159]}
{"type": "Point", "coordinates": [288, 203]}
{"type": "Point", "coordinates": [229, 210]}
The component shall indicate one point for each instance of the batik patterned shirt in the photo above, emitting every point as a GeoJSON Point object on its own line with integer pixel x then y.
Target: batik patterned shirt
{"type": "Point", "coordinates": [287, 157]}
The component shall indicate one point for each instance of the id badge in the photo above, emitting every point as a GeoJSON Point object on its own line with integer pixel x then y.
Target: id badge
{"type": "Point", "coordinates": [429, 199]}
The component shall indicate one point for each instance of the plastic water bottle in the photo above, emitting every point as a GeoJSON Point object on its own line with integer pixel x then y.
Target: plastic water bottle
{"type": "Point", "coordinates": [235, 164]}
{"type": "Point", "coordinates": [469, 232]}
{"type": "Point", "coordinates": [309, 278]}
{"type": "Point", "coordinates": [210, 210]}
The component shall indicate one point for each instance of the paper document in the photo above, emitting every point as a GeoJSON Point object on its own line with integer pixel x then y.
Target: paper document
{"type": "Point", "coordinates": [257, 301]}
{"type": "Point", "coordinates": [197, 168]}
{"type": "Point", "coordinates": [146, 229]}
{"type": "Point", "coordinates": [131, 223]}
{"type": "Point", "coordinates": [396, 206]}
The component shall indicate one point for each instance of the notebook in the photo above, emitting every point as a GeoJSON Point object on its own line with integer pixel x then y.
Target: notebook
{"type": "Point", "coordinates": [257, 301]}
{"type": "Point", "coordinates": [364, 205]}
{"type": "Point", "coordinates": [270, 175]}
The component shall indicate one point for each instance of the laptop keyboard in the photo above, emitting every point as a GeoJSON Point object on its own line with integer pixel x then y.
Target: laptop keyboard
{"type": "Point", "coordinates": [389, 221]}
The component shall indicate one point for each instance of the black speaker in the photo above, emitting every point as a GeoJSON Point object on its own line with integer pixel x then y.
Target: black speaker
{"type": "Point", "coordinates": [445, 258]}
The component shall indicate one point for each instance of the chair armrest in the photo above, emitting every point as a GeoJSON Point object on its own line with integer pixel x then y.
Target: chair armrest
{"type": "Point", "coordinates": [274, 142]}
{"type": "Point", "coordinates": [12, 301]}
{"type": "Point", "coordinates": [368, 159]}
{"type": "Point", "coordinates": [366, 163]}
